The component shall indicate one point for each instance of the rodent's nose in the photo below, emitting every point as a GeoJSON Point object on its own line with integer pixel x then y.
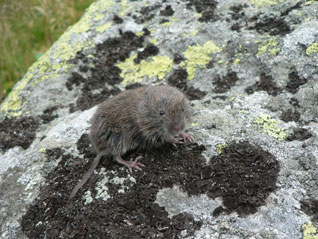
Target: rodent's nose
{"type": "Point", "coordinates": [176, 127]}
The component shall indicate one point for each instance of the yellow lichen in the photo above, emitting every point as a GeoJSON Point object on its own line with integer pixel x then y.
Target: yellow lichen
{"type": "Point", "coordinates": [43, 150]}
{"type": "Point", "coordinates": [309, 231]}
{"type": "Point", "coordinates": [237, 61]}
{"type": "Point", "coordinates": [268, 47]}
{"type": "Point", "coordinates": [220, 147]}
{"type": "Point", "coordinates": [192, 33]}
{"type": "Point", "coordinates": [309, 2]}
{"type": "Point", "coordinates": [63, 50]}
{"type": "Point", "coordinates": [154, 41]}
{"type": "Point", "coordinates": [103, 28]}
{"type": "Point", "coordinates": [232, 99]}
{"type": "Point", "coordinates": [197, 15]}
{"type": "Point", "coordinates": [158, 66]}
{"type": "Point", "coordinates": [313, 48]}
{"type": "Point", "coordinates": [125, 7]}
{"type": "Point", "coordinates": [139, 34]}
{"type": "Point", "coordinates": [198, 56]}
{"type": "Point", "coordinates": [268, 125]}
{"type": "Point", "coordinates": [13, 102]}
{"type": "Point", "coordinates": [168, 24]}
{"type": "Point", "coordinates": [260, 3]}
{"type": "Point", "coordinates": [99, 17]}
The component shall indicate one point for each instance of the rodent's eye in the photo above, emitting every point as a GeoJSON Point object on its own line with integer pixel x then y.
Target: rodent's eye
{"type": "Point", "coordinates": [161, 113]}
{"type": "Point", "coordinates": [182, 109]}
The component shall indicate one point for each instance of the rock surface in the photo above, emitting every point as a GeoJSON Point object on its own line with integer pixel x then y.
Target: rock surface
{"type": "Point", "coordinates": [250, 70]}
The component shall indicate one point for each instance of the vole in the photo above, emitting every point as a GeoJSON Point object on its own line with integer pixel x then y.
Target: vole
{"type": "Point", "coordinates": [143, 117]}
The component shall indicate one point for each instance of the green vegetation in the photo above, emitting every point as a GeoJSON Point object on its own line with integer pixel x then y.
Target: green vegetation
{"type": "Point", "coordinates": [27, 29]}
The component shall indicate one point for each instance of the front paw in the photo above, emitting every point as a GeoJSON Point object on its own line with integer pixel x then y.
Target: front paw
{"type": "Point", "coordinates": [176, 141]}
{"type": "Point", "coordinates": [186, 137]}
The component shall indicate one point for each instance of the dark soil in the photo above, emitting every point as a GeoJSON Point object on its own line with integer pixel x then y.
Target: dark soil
{"type": "Point", "coordinates": [300, 134]}
{"type": "Point", "coordinates": [108, 53]}
{"type": "Point", "coordinates": [21, 131]}
{"type": "Point", "coordinates": [206, 7]}
{"type": "Point", "coordinates": [178, 79]}
{"type": "Point", "coordinates": [294, 82]}
{"type": "Point", "coordinates": [224, 83]}
{"type": "Point", "coordinates": [310, 207]}
{"type": "Point", "coordinates": [290, 115]}
{"type": "Point", "coordinates": [244, 175]}
{"type": "Point", "coordinates": [267, 84]}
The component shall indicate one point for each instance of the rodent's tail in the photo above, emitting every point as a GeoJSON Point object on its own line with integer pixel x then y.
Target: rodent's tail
{"type": "Point", "coordinates": [86, 175]}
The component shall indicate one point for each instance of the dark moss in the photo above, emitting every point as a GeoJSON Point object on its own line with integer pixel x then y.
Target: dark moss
{"type": "Point", "coordinates": [117, 20]}
{"type": "Point", "coordinates": [206, 8]}
{"type": "Point", "coordinates": [244, 175]}
{"type": "Point", "coordinates": [224, 83]}
{"type": "Point", "coordinates": [168, 11]}
{"type": "Point", "coordinates": [150, 50]}
{"type": "Point", "coordinates": [271, 25]}
{"type": "Point", "coordinates": [104, 71]}
{"type": "Point", "coordinates": [242, 193]}
{"type": "Point", "coordinates": [178, 79]}
{"type": "Point", "coordinates": [294, 82]}
{"type": "Point", "coordinates": [146, 13]}
{"type": "Point", "coordinates": [300, 134]}
{"type": "Point", "coordinates": [18, 132]}
{"type": "Point", "coordinates": [310, 207]}
{"type": "Point", "coordinates": [266, 83]}
{"type": "Point", "coordinates": [290, 115]}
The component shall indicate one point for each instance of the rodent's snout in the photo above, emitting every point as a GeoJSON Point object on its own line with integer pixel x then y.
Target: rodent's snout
{"type": "Point", "coordinates": [177, 127]}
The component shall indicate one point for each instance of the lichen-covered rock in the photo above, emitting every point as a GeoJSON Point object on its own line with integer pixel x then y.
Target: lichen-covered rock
{"type": "Point", "coordinates": [250, 69]}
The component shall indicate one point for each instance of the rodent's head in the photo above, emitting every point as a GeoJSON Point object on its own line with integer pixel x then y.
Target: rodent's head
{"type": "Point", "coordinates": [163, 112]}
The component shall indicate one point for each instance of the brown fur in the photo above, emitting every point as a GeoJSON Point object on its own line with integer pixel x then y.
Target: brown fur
{"type": "Point", "coordinates": [132, 119]}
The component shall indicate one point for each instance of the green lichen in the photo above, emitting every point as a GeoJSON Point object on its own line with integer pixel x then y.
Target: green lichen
{"type": "Point", "coordinates": [13, 102]}
{"type": "Point", "coordinates": [260, 3]}
{"type": "Point", "coordinates": [268, 125]}
{"type": "Point", "coordinates": [99, 17]}
{"type": "Point", "coordinates": [313, 48]}
{"type": "Point", "coordinates": [103, 28]}
{"type": "Point", "coordinates": [139, 34]}
{"type": "Point", "coordinates": [198, 56]}
{"type": "Point", "coordinates": [55, 61]}
{"type": "Point", "coordinates": [237, 61]}
{"type": "Point", "coordinates": [125, 7]}
{"type": "Point", "coordinates": [168, 24]}
{"type": "Point", "coordinates": [238, 58]}
{"type": "Point", "coordinates": [309, 231]}
{"type": "Point", "coordinates": [154, 41]}
{"type": "Point", "coordinates": [268, 47]}
{"type": "Point", "coordinates": [220, 147]}
{"type": "Point", "coordinates": [192, 33]}
{"type": "Point", "coordinates": [309, 2]}
{"type": "Point", "coordinates": [157, 66]}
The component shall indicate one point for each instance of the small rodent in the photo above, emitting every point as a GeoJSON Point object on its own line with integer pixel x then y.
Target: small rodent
{"type": "Point", "coordinates": [142, 117]}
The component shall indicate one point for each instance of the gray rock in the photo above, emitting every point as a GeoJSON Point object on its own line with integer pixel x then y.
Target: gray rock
{"type": "Point", "coordinates": [244, 64]}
